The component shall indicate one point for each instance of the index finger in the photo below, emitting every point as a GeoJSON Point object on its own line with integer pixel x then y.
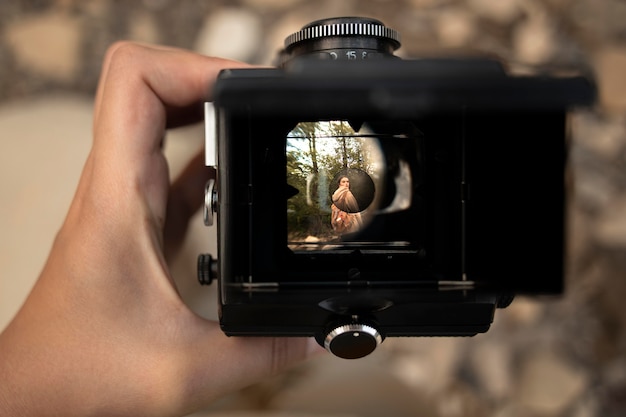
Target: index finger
{"type": "Point", "coordinates": [145, 88]}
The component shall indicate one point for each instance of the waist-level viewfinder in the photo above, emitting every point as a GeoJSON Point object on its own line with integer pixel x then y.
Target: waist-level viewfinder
{"type": "Point", "coordinates": [361, 196]}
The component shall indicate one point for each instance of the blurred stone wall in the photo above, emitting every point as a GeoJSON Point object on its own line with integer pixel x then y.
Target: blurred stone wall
{"type": "Point", "coordinates": [545, 358]}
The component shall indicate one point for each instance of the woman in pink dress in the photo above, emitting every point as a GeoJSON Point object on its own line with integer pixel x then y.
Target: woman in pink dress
{"type": "Point", "coordinates": [345, 216]}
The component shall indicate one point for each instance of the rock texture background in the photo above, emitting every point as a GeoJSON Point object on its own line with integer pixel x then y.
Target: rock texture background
{"type": "Point", "coordinates": [542, 358]}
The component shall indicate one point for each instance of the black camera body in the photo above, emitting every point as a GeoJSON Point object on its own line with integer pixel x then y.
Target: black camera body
{"type": "Point", "coordinates": [362, 196]}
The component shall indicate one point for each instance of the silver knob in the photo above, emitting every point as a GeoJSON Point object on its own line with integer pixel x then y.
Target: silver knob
{"type": "Point", "coordinates": [352, 341]}
{"type": "Point", "coordinates": [210, 202]}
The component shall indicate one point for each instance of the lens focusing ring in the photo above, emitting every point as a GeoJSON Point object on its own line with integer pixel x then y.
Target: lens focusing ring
{"type": "Point", "coordinates": [359, 27]}
{"type": "Point", "coordinates": [341, 38]}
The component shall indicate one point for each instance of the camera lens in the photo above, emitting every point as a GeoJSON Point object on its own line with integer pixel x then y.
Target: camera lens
{"type": "Point", "coordinates": [342, 38]}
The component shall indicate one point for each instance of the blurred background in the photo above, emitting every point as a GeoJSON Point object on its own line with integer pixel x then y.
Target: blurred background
{"type": "Point", "coordinates": [551, 357]}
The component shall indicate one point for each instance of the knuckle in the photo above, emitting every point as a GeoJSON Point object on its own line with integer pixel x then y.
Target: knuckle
{"type": "Point", "coordinates": [122, 52]}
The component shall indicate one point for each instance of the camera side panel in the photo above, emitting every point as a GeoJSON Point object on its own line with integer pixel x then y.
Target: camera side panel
{"type": "Point", "coordinates": [515, 206]}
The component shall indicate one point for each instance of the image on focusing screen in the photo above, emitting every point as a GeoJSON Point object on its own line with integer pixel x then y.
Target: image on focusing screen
{"type": "Point", "coordinates": [339, 183]}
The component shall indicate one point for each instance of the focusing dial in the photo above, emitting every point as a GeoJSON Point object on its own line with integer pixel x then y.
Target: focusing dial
{"type": "Point", "coordinates": [352, 340]}
{"type": "Point", "coordinates": [342, 38]}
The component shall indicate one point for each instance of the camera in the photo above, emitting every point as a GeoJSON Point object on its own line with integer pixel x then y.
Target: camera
{"type": "Point", "coordinates": [361, 196]}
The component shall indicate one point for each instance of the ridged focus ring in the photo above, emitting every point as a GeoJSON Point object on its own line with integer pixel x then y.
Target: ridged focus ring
{"type": "Point", "coordinates": [342, 29]}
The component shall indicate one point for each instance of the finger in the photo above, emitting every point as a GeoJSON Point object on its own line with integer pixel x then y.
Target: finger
{"type": "Point", "coordinates": [139, 86]}
{"type": "Point", "coordinates": [185, 198]}
{"type": "Point", "coordinates": [140, 83]}
{"type": "Point", "coordinates": [104, 73]}
{"type": "Point", "coordinates": [141, 50]}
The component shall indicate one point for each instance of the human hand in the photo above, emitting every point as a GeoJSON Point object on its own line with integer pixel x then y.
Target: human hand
{"type": "Point", "coordinates": [104, 331]}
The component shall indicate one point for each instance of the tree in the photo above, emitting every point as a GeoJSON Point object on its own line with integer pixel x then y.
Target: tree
{"type": "Point", "coordinates": [316, 152]}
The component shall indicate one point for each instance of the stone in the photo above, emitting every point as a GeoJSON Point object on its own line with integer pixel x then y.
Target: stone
{"type": "Point", "coordinates": [459, 400]}
{"type": "Point", "coordinates": [426, 364]}
{"type": "Point", "coordinates": [271, 4]}
{"type": "Point", "coordinates": [548, 384]}
{"type": "Point", "coordinates": [533, 40]}
{"type": "Point", "coordinates": [456, 28]}
{"type": "Point", "coordinates": [276, 34]}
{"type": "Point", "coordinates": [610, 230]}
{"type": "Point", "coordinates": [143, 28]}
{"type": "Point", "coordinates": [48, 44]}
{"type": "Point", "coordinates": [426, 3]}
{"type": "Point", "coordinates": [604, 137]}
{"type": "Point", "coordinates": [501, 11]}
{"type": "Point", "coordinates": [523, 311]}
{"type": "Point", "coordinates": [492, 363]}
{"type": "Point", "coordinates": [233, 33]}
{"type": "Point", "coordinates": [155, 4]}
{"type": "Point", "coordinates": [610, 67]}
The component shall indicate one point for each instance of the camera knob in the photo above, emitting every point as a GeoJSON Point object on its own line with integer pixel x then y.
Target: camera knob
{"type": "Point", "coordinates": [342, 38]}
{"type": "Point", "coordinates": [352, 341]}
{"type": "Point", "coordinates": [210, 203]}
{"type": "Point", "coordinates": [207, 269]}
